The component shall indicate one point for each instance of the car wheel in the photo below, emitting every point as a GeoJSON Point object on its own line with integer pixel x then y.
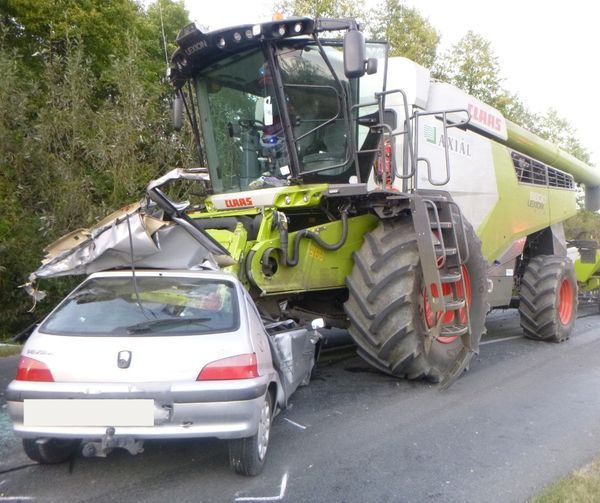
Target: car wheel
{"type": "Point", "coordinates": [247, 455]}
{"type": "Point", "coordinates": [49, 451]}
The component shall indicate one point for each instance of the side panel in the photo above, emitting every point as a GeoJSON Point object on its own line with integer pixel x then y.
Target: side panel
{"type": "Point", "coordinates": [522, 208]}
{"type": "Point", "coordinates": [472, 181]}
{"type": "Point", "coordinates": [317, 269]}
{"type": "Point", "coordinates": [484, 184]}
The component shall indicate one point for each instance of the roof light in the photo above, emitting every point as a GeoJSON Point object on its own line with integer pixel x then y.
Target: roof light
{"type": "Point", "coordinates": [237, 37]}
{"type": "Point", "coordinates": [221, 43]}
{"type": "Point", "coordinates": [256, 29]}
{"type": "Point", "coordinates": [234, 367]}
{"type": "Point", "coordinates": [281, 30]}
{"type": "Point", "coordinates": [249, 33]}
{"type": "Point", "coordinates": [297, 27]}
{"type": "Point", "coordinates": [33, 370]}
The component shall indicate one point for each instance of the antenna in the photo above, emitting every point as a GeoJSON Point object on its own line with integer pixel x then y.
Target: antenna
{"type": "Point", "coordinates": [162, 27]}
{"type": "Point", "coordinates": [133, 277]}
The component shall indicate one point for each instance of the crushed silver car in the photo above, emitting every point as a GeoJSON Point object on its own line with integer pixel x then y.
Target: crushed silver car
{"type": "Point", "coordinates": [135, 355]}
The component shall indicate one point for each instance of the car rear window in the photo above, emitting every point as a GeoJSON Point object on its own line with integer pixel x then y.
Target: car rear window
{"type": "Point", "coordinates": [162, 305]}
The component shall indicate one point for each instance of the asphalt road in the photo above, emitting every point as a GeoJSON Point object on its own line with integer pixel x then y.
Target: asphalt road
{"type": "Point", "coordinates": [525, 414]}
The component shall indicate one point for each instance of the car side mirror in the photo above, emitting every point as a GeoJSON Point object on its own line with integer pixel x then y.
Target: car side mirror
{"type": "Point", "coordinates": [177, 113]}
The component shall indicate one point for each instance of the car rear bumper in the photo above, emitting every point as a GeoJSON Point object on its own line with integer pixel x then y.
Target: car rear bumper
{"type": "Point", "coordinates": [222, 409]}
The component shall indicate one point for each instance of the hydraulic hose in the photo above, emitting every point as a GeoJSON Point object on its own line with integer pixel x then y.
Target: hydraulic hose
{"type": "Point", "coordinates": [295, 257]}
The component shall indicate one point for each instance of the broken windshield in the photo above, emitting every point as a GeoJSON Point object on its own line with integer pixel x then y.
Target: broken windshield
{"type": "Point", "coordinates": [156, 305]}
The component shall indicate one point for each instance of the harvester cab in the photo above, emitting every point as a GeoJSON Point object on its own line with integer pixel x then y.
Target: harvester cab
{"type": "Point", "coordinates": [280, 105]}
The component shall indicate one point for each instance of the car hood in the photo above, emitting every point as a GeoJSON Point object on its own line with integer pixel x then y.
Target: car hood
{"type": "Point", "coordinates": [151, 358]}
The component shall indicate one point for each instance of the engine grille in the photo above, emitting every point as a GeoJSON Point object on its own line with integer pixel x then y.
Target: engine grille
{"type": "Point", "coordinates": [531, 171]}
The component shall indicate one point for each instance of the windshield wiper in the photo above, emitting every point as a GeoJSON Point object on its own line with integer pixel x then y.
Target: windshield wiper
{"type": "Point", "coordinates": [150, 325]}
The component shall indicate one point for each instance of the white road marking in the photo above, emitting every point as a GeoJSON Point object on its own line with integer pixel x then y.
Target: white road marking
{"type": "Point", "coordinates": [16, 498]}
{"type": "Point", "coordinates": [294, 423]}
{"type": "Point", "coordinates": [493, 341]}
{"type": "Point", "coordinates": [267, 498]}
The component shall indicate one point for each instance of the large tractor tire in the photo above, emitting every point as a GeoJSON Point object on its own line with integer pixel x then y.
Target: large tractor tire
{"type": "Point", "coordinates": [548, 298]}
{"type": "Point", "coordinates": [388, 316]}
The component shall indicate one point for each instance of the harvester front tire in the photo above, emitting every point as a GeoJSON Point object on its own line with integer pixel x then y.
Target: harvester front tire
{"type": "Point", "coordinates": [548, 298]}
{"type": "Point", "coordinates": [385, 309]}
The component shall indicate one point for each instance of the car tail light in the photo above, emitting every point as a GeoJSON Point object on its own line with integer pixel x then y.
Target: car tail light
{"type": "Point", "coordinates": [235, 367]}
{"type": "Point", "coordinates": [33, 370]}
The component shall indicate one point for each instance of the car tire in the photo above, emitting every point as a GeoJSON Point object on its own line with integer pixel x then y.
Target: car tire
{"type": "Point", "coordinates": [49, 451]}
{"type": "Point", "coordinates": [247, 455]}
{"type": "Point", "coordinates": [548, 298]}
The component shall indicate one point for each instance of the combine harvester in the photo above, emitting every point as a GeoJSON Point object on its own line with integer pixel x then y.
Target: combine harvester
{"type": "Point", "coordinates": [348, 185]}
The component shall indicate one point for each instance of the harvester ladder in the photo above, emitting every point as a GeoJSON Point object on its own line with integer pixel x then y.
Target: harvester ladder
{"type": "Point", "coordinates": [443, 248]}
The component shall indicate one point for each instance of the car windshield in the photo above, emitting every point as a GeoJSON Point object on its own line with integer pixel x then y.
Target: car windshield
{"type": "Point", "coordinates": [167, 306]}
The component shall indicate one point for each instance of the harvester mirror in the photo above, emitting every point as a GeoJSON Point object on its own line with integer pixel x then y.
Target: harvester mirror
{"type": "Point", "coordinates": [178, 113]}
{"type": "Point", "coordinates": [371, 66]}
{"type": "Point", "coordinates": [592, 197]}
{"type": "Point", "coordinates": [354, 54]}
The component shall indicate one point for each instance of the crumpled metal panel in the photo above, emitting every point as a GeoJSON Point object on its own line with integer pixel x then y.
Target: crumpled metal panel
{"type": "Point", "coordinates": [293, 354]}
{"type": "Point", "coordinates": [108, 247]}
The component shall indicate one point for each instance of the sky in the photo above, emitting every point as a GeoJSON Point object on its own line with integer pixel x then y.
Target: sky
{"type": "Point", "coordinates": [547, 50]}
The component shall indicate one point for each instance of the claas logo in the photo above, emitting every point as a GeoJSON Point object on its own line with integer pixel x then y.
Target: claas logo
{"type": "Point", "coordinates": [238, 201]}
{"type": "Point", "coordinates": [485, 118]}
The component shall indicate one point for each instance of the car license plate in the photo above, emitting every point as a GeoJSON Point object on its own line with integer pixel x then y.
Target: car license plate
{"type": "Point", "coordinates": [92, 412]}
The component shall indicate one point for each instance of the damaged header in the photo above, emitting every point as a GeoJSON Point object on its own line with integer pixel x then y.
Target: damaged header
{"type": "Point", "coordinates": [137, 235]}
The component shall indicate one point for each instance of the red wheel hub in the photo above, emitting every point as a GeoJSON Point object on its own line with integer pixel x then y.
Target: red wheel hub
{"type": "Point", "coordinates": [449, 317]}
{"type": "Point", "coordinates": [565, 301]}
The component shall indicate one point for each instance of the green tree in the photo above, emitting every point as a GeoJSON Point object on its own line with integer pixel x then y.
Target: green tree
{"type": "Point", "coordinates": [472, 66]}
{"type": "Point", "coordinates": [319, 8]}
{"type": "Point", "coordinates": [408, 33]}
{"type": "Point", "coordinates": [83, 125]}
{"type": "Point", "coordinates": [512, 107]}
{"type": "Point", "coordinates": [158, 32]}
{"type": "Point", "coordinates": [558, 130]}
{"type": "Point", "coordinates": [19, 223]}
{"type": "Point", "coordinates": [39, 26]}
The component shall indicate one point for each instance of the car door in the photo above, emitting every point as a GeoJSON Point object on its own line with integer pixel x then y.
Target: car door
{"type": "Point", "coordinates": [292, 349]}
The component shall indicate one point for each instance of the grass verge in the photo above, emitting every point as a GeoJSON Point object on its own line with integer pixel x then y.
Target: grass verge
{"type": "Point", "coordinates": [582, 486]}
{"type": "Point", "coordinates": [9, 350]}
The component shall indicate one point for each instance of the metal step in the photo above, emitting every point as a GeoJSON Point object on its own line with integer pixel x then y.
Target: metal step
{"type": "Point", "coordinates": [453, 305]}
{"type": "Point", "coordinates": [450, 277]}
{"type": "Point", "coordinates": [453, 330]}
{"type": "Point", "coordinates": [441, 225]}
{"type": "Point", "coordinates": [449, 251]}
